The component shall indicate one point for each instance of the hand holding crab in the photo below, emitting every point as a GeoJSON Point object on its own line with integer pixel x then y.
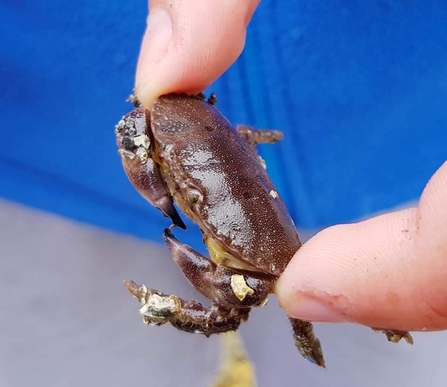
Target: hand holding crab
{"type": "Point", "coordinates": [334, 262]}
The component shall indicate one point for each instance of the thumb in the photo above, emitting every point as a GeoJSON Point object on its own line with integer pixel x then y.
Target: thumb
{"type": "Point", "coordinates": [387, 272]}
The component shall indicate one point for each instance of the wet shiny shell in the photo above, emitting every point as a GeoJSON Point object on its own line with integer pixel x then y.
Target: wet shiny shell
{"type": "Point", "coordinates": [217, 179]}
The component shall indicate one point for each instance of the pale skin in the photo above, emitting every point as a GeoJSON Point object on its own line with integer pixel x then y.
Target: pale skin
{"type": "Point", "coordinates": [389, 271]}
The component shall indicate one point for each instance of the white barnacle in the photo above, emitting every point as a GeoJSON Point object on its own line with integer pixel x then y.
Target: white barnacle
{"type": "Point", "coordinates": [143, 158]}
{"type": "Point", "coordinates": [142, 140]}
{"type": "Point", "coordinates": [240, 287]}
{"type": "Point", "coordinates": [142, 155]}
{"type": "Point", "coordinates": [263, 163]}
{"type": "Point", "coordinates": [159, 303]}
{"type": "Point", "coordinates": [273, 194]}
{"type": "Point", "coordinates": [120, 125]}
{"type": "Point", "coordinates": [144, 291]}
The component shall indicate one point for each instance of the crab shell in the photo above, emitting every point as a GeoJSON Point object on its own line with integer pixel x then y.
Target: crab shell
{"type": "Point", "coordinates": [217, 179]}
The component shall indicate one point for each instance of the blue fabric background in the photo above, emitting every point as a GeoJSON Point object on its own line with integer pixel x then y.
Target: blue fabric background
{"type": "Point", "coordinates": [360, 91]}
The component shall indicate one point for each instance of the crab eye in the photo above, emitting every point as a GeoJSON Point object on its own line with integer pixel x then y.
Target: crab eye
{"type": "Point", "coordinates": [194, 196]}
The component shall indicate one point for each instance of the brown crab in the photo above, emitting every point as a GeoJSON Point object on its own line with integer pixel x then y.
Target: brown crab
{"type": "Point", "coordinates": [183, 150]}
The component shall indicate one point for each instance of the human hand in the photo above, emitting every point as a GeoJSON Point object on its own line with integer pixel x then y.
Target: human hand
{"type": "Point", "coordinates": [189, 44]}
{"type": "Point", "coordinates": [386, 272]}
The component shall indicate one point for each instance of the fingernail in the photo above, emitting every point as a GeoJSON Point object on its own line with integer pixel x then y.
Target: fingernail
{"type": "Point", "coordinates": [310, 309]}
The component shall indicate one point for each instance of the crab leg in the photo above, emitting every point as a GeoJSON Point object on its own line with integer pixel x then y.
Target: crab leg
{"type": "Point", "coordinates": [306, 342]}
{"type": "Point", "coordinates": [189, 316]}
{"type": "Point", "coordinates": [259, 136]}
{"type": "Point", "coordinates": [229, 287]}
{"type": "Point", "coordinates": [395, 336]}
{"type": "Point", "coordinates": [197, 268]}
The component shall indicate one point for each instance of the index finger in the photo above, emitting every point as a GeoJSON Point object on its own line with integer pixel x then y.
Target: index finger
{"type": "Point", "coordinates": [189, 44]}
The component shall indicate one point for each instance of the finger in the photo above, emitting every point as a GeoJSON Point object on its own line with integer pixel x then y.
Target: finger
{"type": "Point", "coordinates": [386, 272]}
{"type": "Point", "coordinates": [189, 44]}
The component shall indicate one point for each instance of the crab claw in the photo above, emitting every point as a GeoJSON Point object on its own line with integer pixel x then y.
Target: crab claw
{"type": "Point", "coordinates": [135, 148]}
{"type": "Point", "coordinates": [136, 290]}
{"type": "Point", "coordinates": [166, 206]}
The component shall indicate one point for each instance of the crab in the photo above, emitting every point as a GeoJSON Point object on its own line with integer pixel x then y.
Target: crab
{"type": "Point", "coordinates": [184, 151]}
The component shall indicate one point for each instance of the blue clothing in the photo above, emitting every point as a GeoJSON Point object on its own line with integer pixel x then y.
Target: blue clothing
{"type": "Point", "coordinates": [360, 91]}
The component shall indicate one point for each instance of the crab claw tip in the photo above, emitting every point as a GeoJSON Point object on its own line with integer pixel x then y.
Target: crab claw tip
{"type": "Point", "coordinates": [133, 288]}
